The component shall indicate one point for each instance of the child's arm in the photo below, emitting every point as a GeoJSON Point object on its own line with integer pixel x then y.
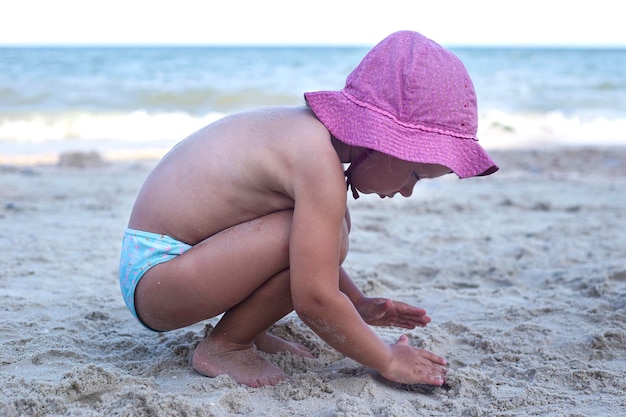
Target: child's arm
{"type": "Point", "coordinates": [315, 244]}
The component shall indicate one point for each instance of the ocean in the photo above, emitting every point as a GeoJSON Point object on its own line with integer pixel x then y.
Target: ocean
{"type": "Point", "coordinates": [123, 101]}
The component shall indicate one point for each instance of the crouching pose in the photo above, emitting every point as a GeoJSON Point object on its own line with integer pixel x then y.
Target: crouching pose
{"type": "Point", "coordinates": [248, 216]}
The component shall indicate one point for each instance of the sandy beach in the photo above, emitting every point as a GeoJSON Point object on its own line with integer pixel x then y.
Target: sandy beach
{"type": "Point", "coordinates": [523, 274]}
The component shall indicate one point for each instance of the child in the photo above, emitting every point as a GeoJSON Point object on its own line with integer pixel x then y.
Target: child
{"type": "Point", "coordinates": [248, 216]}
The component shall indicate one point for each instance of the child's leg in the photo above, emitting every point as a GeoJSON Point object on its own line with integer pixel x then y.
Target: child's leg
{"type": "Point", "coordinates": [228, 348]}
{"type": "Point", "coordinates": [236, 328]}
{"type": "Point", "coordinates": [216, 274]}
{"type": "Point", "coordinates": [243, 271]}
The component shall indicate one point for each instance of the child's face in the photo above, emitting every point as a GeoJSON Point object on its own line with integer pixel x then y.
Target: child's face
{"type": "Point", "coordinates": [386, 176]}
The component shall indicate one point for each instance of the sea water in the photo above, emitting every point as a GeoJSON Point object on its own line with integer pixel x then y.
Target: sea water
{"type": "Point", "coordinates": [124, 100]}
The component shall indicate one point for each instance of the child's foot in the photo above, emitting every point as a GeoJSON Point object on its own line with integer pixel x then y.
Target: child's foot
{"type": "Point", "coordinates": [213, 358]}
{"type": "Point", "coordinates": [269, 343]}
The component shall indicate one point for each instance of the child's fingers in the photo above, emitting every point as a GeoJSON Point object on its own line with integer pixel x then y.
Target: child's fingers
{"type": "Point", "coordinates": [432, 357]}
{"type": "Point", "coordinates": [410, 321]}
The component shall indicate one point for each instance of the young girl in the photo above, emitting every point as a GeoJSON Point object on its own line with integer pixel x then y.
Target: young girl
{"type": "Point", "coordinates": [248, 216]}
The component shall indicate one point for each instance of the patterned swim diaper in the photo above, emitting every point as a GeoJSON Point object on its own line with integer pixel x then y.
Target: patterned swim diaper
{"type": "Point", "coordinates": [140, 252]}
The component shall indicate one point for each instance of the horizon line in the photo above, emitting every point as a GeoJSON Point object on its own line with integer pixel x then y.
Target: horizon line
{"type": "Point", "coordinates": [303, 45]}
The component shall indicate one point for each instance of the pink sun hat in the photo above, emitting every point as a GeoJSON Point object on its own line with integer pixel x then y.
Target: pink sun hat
{"type": "Point", "coordinates": [412, 99]}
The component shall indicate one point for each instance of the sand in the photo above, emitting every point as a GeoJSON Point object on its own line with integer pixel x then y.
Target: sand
{"type": "Point", "coordinates": [523, 273]}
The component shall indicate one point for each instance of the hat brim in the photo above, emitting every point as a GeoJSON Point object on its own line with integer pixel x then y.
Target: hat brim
{"type": "Point", "coordinates": [357, 125]}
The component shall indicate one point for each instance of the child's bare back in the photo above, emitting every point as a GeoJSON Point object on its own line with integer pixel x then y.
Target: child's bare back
{"type": "Point", "coordinates": [240, 168]}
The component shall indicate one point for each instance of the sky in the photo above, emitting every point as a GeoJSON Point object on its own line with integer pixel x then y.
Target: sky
{"type": "Point", "coordinates": [317, 22]}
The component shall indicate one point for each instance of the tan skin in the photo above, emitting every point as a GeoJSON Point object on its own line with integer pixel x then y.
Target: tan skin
{"type": "Point", "coordinates": [261, 196]}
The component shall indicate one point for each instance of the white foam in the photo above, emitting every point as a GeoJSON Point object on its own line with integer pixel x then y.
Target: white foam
{"type": "Point", "coordinates": [136, 126]}
{"type": "Point", "coordinates": [41, 137]}
{"type": "Point", "coordinates": [500, 130]}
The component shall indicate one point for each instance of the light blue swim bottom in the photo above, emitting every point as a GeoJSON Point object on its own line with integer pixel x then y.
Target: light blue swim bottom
{"type": "Point", "coordinates": [140, 252]}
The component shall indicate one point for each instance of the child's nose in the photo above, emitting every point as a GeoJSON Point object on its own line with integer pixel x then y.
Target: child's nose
{"type": "Point", "coordinates": [407, 190]}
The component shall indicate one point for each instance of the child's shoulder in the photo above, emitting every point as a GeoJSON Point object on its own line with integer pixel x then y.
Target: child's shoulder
{"type": "Point", "coordinates": [285, 127]}
{"type": "Point", "coordinates": [272, 114]}
{"type": "Point", "coordinates": [287, 117]}
{"type": "Point", "coordinates": [297, 144]}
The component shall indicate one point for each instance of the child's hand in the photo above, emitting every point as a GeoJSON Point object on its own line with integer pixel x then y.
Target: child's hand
{"type": "Point", "coordinates": [414, 366]}
{"type": "Point", "coordinates": [386, 312]}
